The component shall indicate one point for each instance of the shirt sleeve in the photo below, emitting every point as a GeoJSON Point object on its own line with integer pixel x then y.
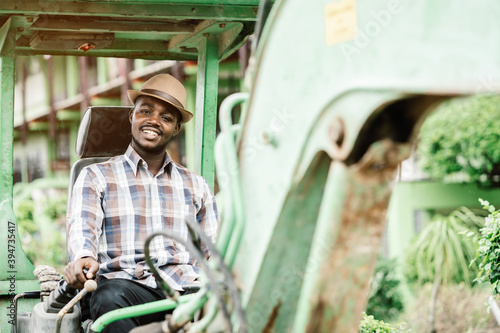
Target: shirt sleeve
{"type": "Point", "coordinates": [208, 217]}
{"type": "Point", "coordinates": [84, 217]}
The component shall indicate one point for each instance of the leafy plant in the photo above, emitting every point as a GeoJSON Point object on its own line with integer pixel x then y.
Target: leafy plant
{"type": "Point", "coordinates": [56, 210]}
{"type": "Point", "coordinates": [441, 254]}
{"type": "Point", "coordinates": [25, 220]}
{"type": "Point", "coordinates": [27, 227]}
{"type": "Point", "coordinates": [370, 325]}
{"type": "Point", "coordinates": [54, 253]}
{"type": "Point", "coordinates": [43, 250]}
{"type": "Point", "coordinates": [470, 151]}
{"type": "Point", "coordinates": [386, 300]}
{"type": "Point", "coordinates": [488, 252]}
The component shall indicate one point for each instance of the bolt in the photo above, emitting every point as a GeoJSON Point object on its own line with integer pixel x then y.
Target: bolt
{"type": "Point", "coordinates": [20, 29]}
{"type": "Point", "coordinates": [205, 35]}
{"type": "Point", "coordinates": [268, 137]}
{"type": "Point", "coordinates": [337, 132]}
{"type": "Point", "coordinates": [222, 25]}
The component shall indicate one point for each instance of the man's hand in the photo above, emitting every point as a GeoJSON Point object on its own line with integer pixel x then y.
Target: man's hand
{"type": "Point", "coordinates": [73, 272]}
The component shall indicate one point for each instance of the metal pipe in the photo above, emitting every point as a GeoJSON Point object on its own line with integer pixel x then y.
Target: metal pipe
{"type": "Point", "coordinates": [227, 226]}
{"type": "Point", "coordinates": [225, 147]}
{"type": "Point", "coordinates": [184, 312]}
{"type": "Point", "coordinates": [217, 264]}
{"type": "Point", "coordinates": [89, 286]}
{"type": "Point", "coordinates": [202, 324]}
{"type": "Point", "coordinates": [208, 273]}
{"type": "Point", "coordinates": [14, 327]}
{"type": "Point", "coordinates": [169, 292]}
{"type": "Point", "coordinates": [226, 109]}
{"type": "Point", "coordinates": [234, 224]}
{"type": "Point", "coordinates": [235, 197]}
{"type": "Point", "coordinates": [136, 311]}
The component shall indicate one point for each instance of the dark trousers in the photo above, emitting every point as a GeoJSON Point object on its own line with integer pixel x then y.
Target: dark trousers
{"type": "Point", "coordinates": [112, 294]}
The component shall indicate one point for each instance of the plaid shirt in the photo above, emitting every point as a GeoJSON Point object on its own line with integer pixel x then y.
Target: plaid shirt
{"type": "Point", "coordinates": [116, 204]}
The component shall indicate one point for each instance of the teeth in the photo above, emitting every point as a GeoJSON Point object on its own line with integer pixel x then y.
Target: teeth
{"type": "Point", "coordinates": [150, 133]}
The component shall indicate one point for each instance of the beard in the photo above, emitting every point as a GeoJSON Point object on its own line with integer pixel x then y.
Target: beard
{"type": "Point", "coordinates": [152, 150]}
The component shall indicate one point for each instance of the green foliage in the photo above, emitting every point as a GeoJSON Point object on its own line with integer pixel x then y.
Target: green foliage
{"type": "Point", "coordinates": [27, 226]}
{"type": "Point", "coordinates": [370, 325]}
{"type": "Point", "coordinates": [54, 254]}
{"type": "Point", "coordinates": [31, 217]}
{"type": "Point", "coordinates": [386, 300]}
{"type": "Point", "coordinates": [461, 138]}
{"type": "Point", "coordinates": [441, 250]}
{"type": "Point", "coordinates": [25, 221]}
{"type": "Point", "coordinates": [488, 252]}
{"type": "Point", "coordinates": [56, 210]}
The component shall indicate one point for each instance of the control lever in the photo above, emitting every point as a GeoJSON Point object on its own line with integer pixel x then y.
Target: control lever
{"type": "Point", "coordinates": [60, 296]}
{"type": "Point", "coordinates": [88, 287]}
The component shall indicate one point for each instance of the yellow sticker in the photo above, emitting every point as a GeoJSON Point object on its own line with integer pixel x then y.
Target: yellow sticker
{"type": "Point", "coordinates": [341, 23]}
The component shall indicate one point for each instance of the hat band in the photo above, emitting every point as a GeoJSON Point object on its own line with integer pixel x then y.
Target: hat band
{"type": "Point", "coordinates": [163, 95]}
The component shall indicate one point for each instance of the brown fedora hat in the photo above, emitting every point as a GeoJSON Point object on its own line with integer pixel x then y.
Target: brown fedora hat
{"type": "Point", "coordinates": [166, 88]}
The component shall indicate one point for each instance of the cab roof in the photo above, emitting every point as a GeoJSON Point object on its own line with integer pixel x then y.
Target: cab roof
{"type": "Point", "coordinates": [147, 29]}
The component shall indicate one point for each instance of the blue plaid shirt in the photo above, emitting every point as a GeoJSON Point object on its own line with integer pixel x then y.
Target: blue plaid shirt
{"type": "Point", "coordinates": [116, 204]}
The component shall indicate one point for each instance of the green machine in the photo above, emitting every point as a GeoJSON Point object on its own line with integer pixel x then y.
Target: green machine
{"type": "Point", "coordinates": [203, 31]}
{"type": "Point", "coordinates": [336, 91]}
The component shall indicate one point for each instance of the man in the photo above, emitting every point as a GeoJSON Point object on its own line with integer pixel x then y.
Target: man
{"type": "Point", "coordinates": [118, 203]}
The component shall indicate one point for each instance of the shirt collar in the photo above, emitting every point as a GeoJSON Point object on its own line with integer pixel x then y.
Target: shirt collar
{"type": "Point", "coordinates": [134, 159]}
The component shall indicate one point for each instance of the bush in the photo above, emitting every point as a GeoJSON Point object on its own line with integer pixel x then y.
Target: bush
{"type": "Point", "coordinates": [461, 139]}
{"type": "Point", "coordinates": [370, 325]}
{"type": "Point", "coordinates": [25, 212]}
{"type": "Point", "coordinates": [488, 252]}
{"type": "Point", "coordinates": [441, 252]}
{"type": "Point", "coordinates": [49, 213]}
{"type": "Point", "coordinates": [27, 227]}
{"type": "Point", "coordinates": [386, 300]}
{"type": "Point", "coordinates": [56, 210]}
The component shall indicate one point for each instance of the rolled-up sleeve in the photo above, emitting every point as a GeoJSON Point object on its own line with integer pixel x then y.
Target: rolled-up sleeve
{"type": "Point", "coordinates": [85, 216]}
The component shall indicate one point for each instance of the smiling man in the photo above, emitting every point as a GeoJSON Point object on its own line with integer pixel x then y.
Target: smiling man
{"type": "Point", "coordinates": [116, 204]}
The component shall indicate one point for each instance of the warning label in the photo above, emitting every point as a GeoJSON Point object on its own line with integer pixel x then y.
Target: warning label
{"type": "Point", "coordinates": [341, 22]}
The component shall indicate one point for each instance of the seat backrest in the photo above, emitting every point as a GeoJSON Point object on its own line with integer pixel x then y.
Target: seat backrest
{"type": "Point", "coordinates": [104, 132]}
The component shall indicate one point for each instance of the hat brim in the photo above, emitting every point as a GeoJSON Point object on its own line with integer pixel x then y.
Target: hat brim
{"type": "Point", "coordinates": [185, 114]}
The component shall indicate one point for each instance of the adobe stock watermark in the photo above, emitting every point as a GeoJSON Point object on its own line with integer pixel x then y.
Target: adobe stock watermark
{"type": "Point", "coordinates": [380, 19]}
{"type": "Point", "coordinates": [252, 145]}
{"type": "Point", "coordinates": [488, 85]}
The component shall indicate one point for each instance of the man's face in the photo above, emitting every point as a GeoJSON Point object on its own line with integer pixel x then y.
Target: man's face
{"type": "Point", "coordinates": [154, 122]}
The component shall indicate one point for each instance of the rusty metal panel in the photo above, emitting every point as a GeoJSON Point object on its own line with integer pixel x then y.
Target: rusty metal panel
{"type": "Point", "coordinates": [349, 78]}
